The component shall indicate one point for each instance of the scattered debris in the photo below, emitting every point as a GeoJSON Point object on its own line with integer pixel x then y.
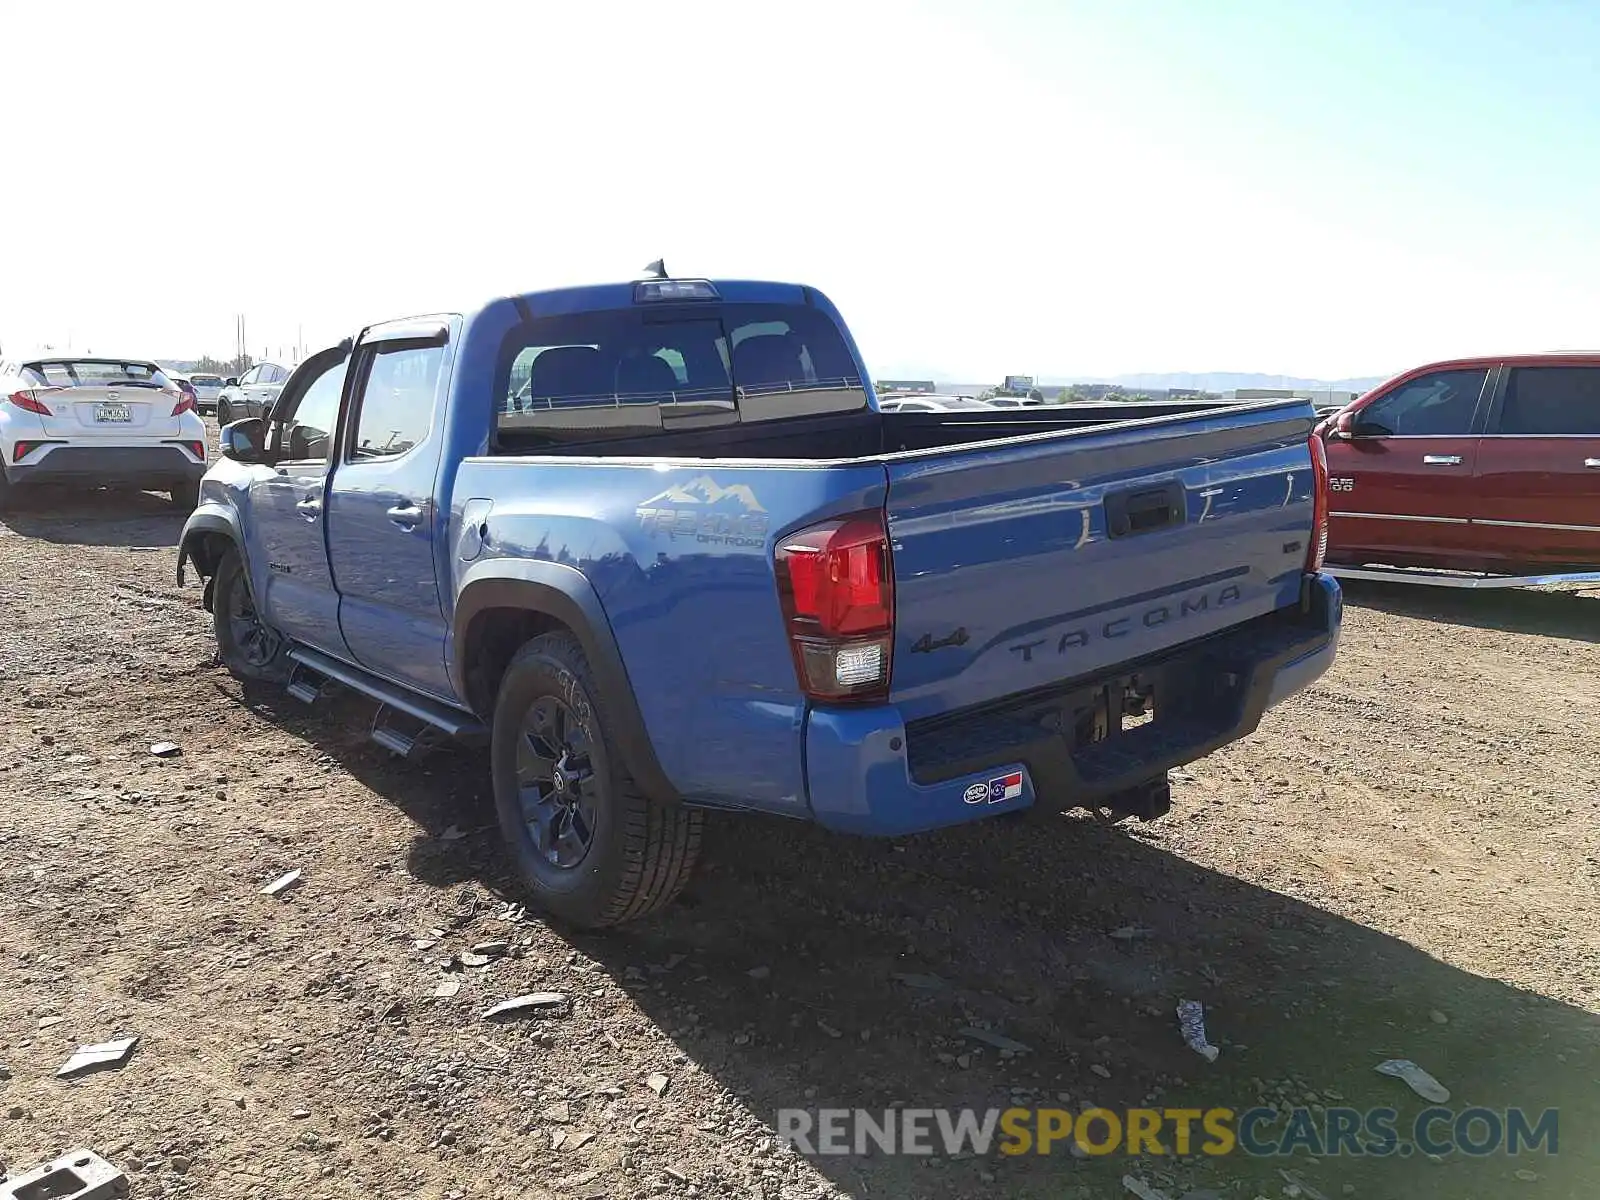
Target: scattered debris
{"type": "Point", "coordinates": [759, 972]}
{"type": "Point", "coordinates": [1437, 1017]}
{"type": "Point", "coordinates": [282, 883]}
{"type": "Point", "coordinates": [1142, 1190]}
{"type": "Point", "coordinates": [998, 1040]}
{"type": "Point", "coordinates": [920, 983]}
{"type": "Point", "coordinates": [657, 1082]}
{"type": "Point", "coordinates": [447, 987]}
{"type": "Point", "coordinates": [1128, 933]}
{"type": "Point", "coordinates": [578, 1180]}
{"type": "Point", "coordinates": [89, 1059]}
{"type": "Point", "coordinates": [79, 1174]}
{"type": "Point", "coordinates": [576, 1141]}
{"type": "Point", "coordinates": [16, 1112]}
{"type": "Point", "coordinates": [50, 1022]}
{"type": "Point", "coordinates": [424, 943]}
{"type": "Point", "coordinates": [532, 1002]}
{"type": "Point", "coordinates": [676, 1175]}
{"type": "Point", "coordinates": [828, 1029]}
{"type": "Point", "coordinates": [1415, 1078]}
{"type": "Point", "coordinates": [468, 958]}
{"type": "Point", "coordinates": [300, 1114]}
{"type": "Point", "coordinates": [1297, 1187]}
{"type": "Point", "coordinates": [1101, 1070]}
{"type": "Point", "coordinates": [1192, 1023]}
{"type": "Point", "coordinates": [166, 749]}
{"type": "Point", "coordinates": [452, 833]}
{"type": "Point", "coordinates": [1526, 1175]}
{"type": "Point", "coordinates": [493, 949]}
{"type": "Point", "coordinates": [559, 1113]}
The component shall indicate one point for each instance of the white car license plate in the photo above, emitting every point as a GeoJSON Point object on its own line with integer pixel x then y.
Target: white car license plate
{"type": "Point", "coordinates": [112, 414]}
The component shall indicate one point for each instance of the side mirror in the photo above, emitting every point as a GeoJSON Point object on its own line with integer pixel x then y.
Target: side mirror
{"type": "Point", "coordinates": [232, 382]}
{"type": "Point", "coordinates": [243, 440]}
{"type": "Point", "coordinates": [1343, 427]}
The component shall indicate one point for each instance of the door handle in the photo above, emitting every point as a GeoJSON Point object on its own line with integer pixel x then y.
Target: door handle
{"type": "Point", "coordinates": [1441, 460]}
{"type": "Point", "coordinates": [406, 516]}
{"type": "Point", "coordinates": [311, 508]}
{"type": "Point", "coordinates": [1592, 463]}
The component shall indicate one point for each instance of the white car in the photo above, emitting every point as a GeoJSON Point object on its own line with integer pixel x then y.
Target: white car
{"type": "Point", "coordinates": [206, 390]}
{"type": "Point", "coordinates": [98, 422]}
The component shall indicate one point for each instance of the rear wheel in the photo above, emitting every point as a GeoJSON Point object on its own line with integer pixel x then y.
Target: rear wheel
{"type": "Point", "coordinates": [591, 847]}
{"type": "Point", "coordinates": [186, 496]}
{"type": "Point", "coordinates": [247, 645]}
{"type": "Point", "coordinates": [224, 412]}
{"type": "Point", "coordinates": [6, 490]}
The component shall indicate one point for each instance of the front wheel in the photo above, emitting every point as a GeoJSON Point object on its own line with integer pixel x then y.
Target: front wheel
{"type": "Point", "coordinates": [590, 846]}
{"type": "Point", "coordinates": [224, 412]}
{"type": "Point", "coordinates": [248, 646]}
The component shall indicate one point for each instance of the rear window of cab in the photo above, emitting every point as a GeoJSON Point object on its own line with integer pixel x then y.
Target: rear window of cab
{"type": "Point", "coordinates": [623, 372]}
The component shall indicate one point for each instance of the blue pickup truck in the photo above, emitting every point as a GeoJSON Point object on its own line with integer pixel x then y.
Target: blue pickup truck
{"type": "Point", "coordinates": [655, 545]}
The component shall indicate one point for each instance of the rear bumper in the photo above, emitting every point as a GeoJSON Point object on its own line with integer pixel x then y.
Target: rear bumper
{"type": "Point", "coordinates": [154, 466]}
{"type": "Point", "coordinates": [868, 772]}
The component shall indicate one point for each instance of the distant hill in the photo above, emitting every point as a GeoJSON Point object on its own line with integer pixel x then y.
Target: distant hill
{"type": "Point", "coordinates": [1227, 381]}
{"type": "Point", "coordinates": [1202, 381]}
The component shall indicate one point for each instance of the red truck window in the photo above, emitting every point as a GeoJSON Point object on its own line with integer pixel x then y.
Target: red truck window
{"type": "Point", "coordinates": [1552, 401]}
{"type": "Point", "coordinates": [1440, 404]}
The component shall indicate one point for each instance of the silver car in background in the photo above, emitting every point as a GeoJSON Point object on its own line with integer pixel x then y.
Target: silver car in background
{"type": "Point", "coordinates": [252, 394]}
{"type": "Point", "coordinates": [206, 390]}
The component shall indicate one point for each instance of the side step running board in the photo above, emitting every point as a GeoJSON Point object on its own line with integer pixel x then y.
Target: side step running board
{"type": "Point", "coordinates": [307, 685]}
{"type": "Point", "coordinates": [1447, 579]}
{"type": "Point", "coordinates": [447, 720]}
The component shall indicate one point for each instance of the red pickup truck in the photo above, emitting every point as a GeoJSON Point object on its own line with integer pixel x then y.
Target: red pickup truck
{"type": "Point", "coordinates": [1473, 465]}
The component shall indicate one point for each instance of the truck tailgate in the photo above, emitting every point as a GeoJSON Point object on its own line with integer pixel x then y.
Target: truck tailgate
{"type": "Point", "coordinates": [1022, 563]}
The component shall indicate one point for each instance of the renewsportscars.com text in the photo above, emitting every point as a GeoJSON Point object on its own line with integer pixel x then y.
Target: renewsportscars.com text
{"type": "Point", "coordinates": [1335, 1132]}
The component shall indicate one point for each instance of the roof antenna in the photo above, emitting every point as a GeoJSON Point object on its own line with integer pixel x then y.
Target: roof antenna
{"type": "Point", "coordinates": [657, 269]}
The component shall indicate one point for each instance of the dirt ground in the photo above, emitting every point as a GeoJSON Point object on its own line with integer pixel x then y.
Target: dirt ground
{"type": "Point", "coordinates": [1401, 863]}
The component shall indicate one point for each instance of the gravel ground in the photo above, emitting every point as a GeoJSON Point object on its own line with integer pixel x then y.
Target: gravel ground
{"type": "Point", "coordinates": [1402, 862]}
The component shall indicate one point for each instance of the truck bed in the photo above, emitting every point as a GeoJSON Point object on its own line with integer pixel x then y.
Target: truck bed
{"type": "Point", "coordinates": [861, 434]}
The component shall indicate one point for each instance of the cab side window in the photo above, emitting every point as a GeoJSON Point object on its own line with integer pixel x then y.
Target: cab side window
{"type": "Point", "coordinates": [397, 399]}
{"type": "Point", "coordinates": [1552, 401]}
{"type": "Point", "coordinates": [1440, 404]}
{"type": "Point", "coordinates": [308, 432]}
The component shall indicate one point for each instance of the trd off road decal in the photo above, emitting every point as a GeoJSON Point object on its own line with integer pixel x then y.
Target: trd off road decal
{"type": "Point", "coordinates": [703, 511]}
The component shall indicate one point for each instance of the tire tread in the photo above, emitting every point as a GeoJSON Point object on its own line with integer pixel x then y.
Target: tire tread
{"type": "Point", "coordinates": [660, 842]}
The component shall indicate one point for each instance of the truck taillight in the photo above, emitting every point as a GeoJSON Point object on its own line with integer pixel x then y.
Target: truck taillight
{"type": "Point", "coordinates": [25, 401]}
{"type": "Point", "coordinates": [1318, 549]}
{"type": "Point", "coordinates": [836, 588]}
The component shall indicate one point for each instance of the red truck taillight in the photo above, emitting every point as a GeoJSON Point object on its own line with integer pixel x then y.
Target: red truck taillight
{"type": "Point", "coordinates": [836, 587]}
{"type": "Point", "coordinates": [1318, 549]}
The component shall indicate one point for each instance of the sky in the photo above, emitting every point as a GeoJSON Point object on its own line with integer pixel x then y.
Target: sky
{"type": "Point", "coordinates": [1062, 188]}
